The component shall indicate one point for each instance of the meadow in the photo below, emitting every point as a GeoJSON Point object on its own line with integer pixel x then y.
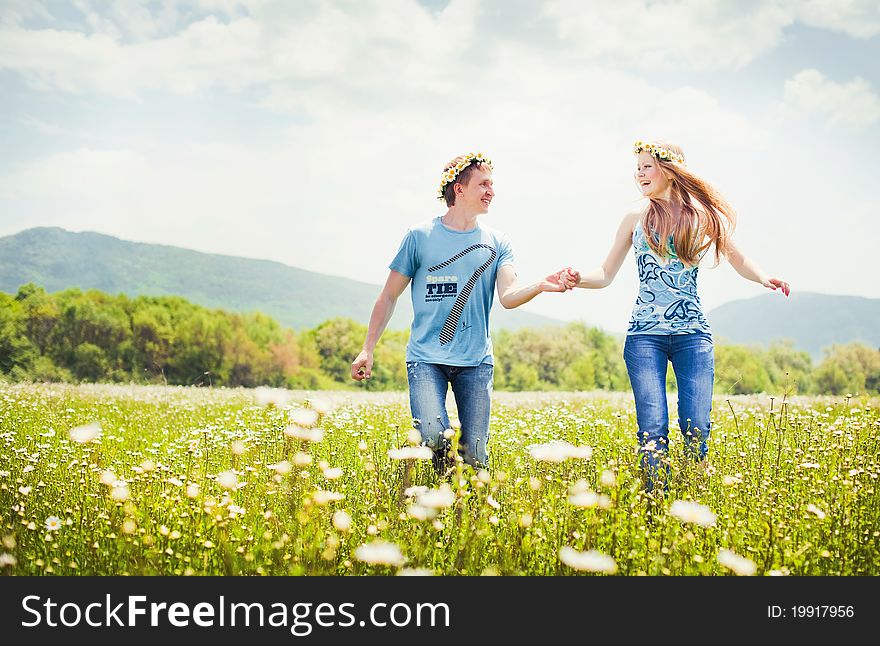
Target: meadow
{"type": "Point", "coordinates": [150, 480]}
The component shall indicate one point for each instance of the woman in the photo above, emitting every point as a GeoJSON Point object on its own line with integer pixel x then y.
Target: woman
{"type": "Point", "coordinates": [684, 217]}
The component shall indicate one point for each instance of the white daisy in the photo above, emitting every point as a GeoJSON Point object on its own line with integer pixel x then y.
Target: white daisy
{"type": "Point", "coordinates": [306, 434]}
{"type": "Point", "coordinates": [305, 417]}
{"type": "Point", "coordinates": [591, 561]}
{"type": "Point", "coordinates": [341, 521]}
{"type": "Point", "coordinates": [738, 564]}
{"type": "Point", "coordinates": [379, 553]}
{"type": "Point", "coordinates": [86, 433]}
{"type": "Point", "coordinates": [227, 479]}
{"type": "Point", "coordinates": [437, 498]}
{"type": "Point", "coordinates": [559, 451]}
{"type": "Point", "coordinates": [411, 453]}
{"type": "Point", "coordinates": [277, 397]}
{"type": "Point", "coordinates": [692, 512]}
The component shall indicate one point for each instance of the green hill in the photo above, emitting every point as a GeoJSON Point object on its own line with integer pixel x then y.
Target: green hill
{"type": "Point", "coordinates": [57, 259]}
{"type": "Point", "coordinates": [812, 321]}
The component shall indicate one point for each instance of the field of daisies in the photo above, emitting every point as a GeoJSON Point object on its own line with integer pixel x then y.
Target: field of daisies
{"type": "Point", "coordinates": [112, 480]}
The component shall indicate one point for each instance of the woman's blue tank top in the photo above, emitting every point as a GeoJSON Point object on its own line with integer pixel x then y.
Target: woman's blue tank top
{"type": "Point", "coordinates": [668, 302]}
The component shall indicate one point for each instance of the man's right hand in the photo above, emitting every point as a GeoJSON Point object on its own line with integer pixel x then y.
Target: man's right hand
{"type": "Point", "coordinates": [362, 367]}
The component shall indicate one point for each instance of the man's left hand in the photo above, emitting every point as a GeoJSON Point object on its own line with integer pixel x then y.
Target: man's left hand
{"type": "Point", "coordinates": [561, 281]}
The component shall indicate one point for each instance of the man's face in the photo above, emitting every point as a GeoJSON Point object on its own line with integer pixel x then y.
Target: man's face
{"type": "Point", "coordinates": [477, 194]}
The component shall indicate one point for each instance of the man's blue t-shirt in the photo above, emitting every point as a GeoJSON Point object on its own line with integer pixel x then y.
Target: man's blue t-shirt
{"type": "Point", "coordinates": [453, 285]}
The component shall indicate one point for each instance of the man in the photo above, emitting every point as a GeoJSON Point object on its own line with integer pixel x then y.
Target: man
{"type": "Point", "coordinates": [454, 264]}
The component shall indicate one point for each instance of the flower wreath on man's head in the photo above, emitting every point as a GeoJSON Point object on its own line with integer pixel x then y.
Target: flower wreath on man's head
{"type": "Point", "coordinates": [450, 174]}
{"type": "Point", "coordinates": [658, 152]}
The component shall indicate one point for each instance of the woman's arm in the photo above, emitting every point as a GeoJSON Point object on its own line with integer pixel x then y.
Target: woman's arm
{"type": "Point", "coordinates": [751, 270]}
{"type": "Point", "coordinates": [604, 275]}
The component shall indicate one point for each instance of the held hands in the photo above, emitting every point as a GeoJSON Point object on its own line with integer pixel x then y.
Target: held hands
{"type": "Point", "coordinates": [776, 283]}
{"type": "Point", "coordinates": [561, 281]}
{"type": "Point", "coordinates": [362, 366]}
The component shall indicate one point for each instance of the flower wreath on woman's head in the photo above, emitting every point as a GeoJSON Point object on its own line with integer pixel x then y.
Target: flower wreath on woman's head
{"type": "Point", "coordinates": [450, 174]}
{"type": "Point", "coordinates": [658, 152]}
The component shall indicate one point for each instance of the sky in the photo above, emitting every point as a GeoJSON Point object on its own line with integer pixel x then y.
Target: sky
{"type": "Point", "coordinates": [314, 133]}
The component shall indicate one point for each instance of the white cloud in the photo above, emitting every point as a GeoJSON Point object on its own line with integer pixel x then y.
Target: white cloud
{"type": "Point", "coordinates": [44, 127]}
{"type": "Point", "coordinates": [849, 104]}
{"type": "Point", "coordinates": [859, 18]}
{"type": "Point", "coordinates": [135, 20]}
{"type": "Point", "coordinates": [371, 99]}
{"type": "Point", "coordinates": [126, 49]}
{"type": "Point", "coordinates": [82, 174]}
{"type": "Point", "coordinates": [15, 12]}
{"type": "Point", "coordinates": [653, 35]}
{"type": "Point", "coordinates": [208, 53]}
{"type": "Point", "coordinates": [698, 34]}
{"type": "Point", "coordinates": [282, 45]}
{"type": "Point", "coordinates": [345, 185]}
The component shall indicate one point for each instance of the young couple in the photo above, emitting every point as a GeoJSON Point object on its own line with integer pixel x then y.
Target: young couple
{"type": "Point", "coordinates": [455, 263]}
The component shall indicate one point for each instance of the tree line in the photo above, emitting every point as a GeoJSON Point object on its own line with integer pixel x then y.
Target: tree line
{"type": "Point", "coordinates": [76, 336]}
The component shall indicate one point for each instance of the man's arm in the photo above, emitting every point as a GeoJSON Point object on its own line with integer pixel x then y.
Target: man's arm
{"type": "Point", "coordinates": [511, 294]}
{"type": "Point", "coordinates": [362, 366]}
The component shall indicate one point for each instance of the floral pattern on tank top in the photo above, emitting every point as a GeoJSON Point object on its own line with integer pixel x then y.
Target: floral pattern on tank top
{"type": "Point", "coordinates": [667, 302]}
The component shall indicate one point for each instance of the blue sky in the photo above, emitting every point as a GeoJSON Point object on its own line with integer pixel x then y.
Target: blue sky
{"type": "Point", "coordinates": [313, 133]}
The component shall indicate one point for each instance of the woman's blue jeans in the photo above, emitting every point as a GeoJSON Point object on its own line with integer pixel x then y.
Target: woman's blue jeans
{"type": "Point", "coordinates": [472, 387]}
{"type": "Point", "coordinates": [693, 360]}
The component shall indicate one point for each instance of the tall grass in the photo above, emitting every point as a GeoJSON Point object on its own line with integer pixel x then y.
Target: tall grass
{"type": "Point", "coordinates": [214, 481]}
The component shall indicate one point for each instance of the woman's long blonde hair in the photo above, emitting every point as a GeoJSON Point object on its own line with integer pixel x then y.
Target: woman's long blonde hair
{"type": "Point", "coordinates": [706, 217]}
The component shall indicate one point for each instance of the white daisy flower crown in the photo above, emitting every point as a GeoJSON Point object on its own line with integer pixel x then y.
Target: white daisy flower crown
{"type": "Point", "coordinates": [452, 172]}
{"type": "Point", "coordinates": [659, 152]}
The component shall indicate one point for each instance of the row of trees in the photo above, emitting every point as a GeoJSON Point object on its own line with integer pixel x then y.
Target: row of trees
{"type": "Point", "coordinates": [581, 358]}
{"type": "Point", "coordinates": [92, 336]}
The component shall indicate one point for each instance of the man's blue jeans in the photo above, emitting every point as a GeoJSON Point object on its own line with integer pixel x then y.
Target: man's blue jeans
{"type": "Point", "coordinates": [472, 387]}
{"type": "Point", "coordinates": [693, 361]}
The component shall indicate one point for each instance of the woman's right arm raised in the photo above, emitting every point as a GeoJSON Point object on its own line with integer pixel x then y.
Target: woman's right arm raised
{"type": "Point", "coordinates": [604, 275]}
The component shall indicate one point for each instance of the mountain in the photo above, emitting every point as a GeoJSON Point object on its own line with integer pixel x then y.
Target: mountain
{"type": "Point", "coordinates": [812, 321]}
{"type": "Point", "coordinates": [56, 259]}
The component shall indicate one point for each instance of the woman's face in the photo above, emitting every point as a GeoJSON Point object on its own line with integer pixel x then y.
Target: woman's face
{"type": "Point", "coordinates": [650, 179]}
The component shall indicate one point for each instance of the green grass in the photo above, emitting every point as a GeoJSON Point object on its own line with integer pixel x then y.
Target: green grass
{"type": "Point", "coordinates": [794, 490]}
